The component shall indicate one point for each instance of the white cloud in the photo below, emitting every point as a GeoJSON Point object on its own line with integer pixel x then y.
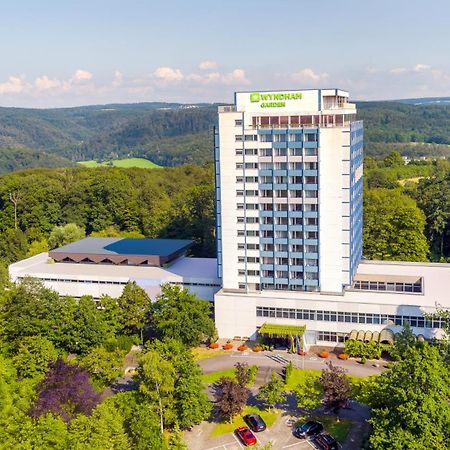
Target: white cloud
{"type": "Point", "coordinates": [168, 75]}
{"type": "Point", "coordinates": [118, 79]}
{"type": "Point", "coordinates": [81, 75]}
{"type": "Point", "coordinates": [398, 71]}
{"type": "Point", "coordinates": [14, 85]}
{"type": "Point", "coordinates": [421, 67]}
{"type": "Point", "coordinates": [307, 75]}
{"type": "Point", "coordinates": [44, 83]}
{"type": "Point", "coordinates": [237, 76]}
{"type": "Point", "coordinates": [208, 65]}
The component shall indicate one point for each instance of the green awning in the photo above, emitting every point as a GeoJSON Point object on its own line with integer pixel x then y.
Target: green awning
{"type": "Point", "coordinates": [275, 330]}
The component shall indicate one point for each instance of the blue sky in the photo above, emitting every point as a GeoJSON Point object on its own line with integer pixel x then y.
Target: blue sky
{"type": "Point", "coordinates": [67, 52]}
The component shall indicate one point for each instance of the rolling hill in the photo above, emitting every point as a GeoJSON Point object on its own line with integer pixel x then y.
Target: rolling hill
{"type": "Point", "coordinates": [172, 134]}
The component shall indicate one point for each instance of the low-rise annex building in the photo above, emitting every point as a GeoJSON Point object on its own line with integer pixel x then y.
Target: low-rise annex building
{"type": "Point", "coordinates": [103, 266]}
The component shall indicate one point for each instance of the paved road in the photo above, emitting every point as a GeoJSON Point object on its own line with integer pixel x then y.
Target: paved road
{"type": "Point", "coordinates": [276, 360]}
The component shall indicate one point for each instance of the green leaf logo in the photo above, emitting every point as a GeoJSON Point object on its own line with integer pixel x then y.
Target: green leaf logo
{"type": "Point", "coordinates": [255, 97]}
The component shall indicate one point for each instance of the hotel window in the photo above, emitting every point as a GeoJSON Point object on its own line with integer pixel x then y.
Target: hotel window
{"type": "Point", "coordinates": [266, 138]}
{"type": "Point", "coordinates": [251, 151]}
{"type": "Point", "coordinates": [239, 179]}
{"type": "Point", "coordinates": [310, 151]}
{"type": "Point", "coordinates": [238, 151]}
{"type": "Point", "coordinates": [265, 152]}
{"type": "Point", "coordinates": [240, 193]}
{"type": "Point", "coordinates": [239, 166]}
{"type": "Point", "coordinates": [238, 137]}
{"type": "Point", "coordinates": [238, 122]}
{"type": "Point", "coordinates": [251, 165]}
{"type": "Point", "coordinates": [251, 137]}
{"type": "Point", "coordinates": [310, 137]}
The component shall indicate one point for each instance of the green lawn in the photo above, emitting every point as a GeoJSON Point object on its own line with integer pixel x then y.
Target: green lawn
{"type": "Point", "coordinates": [298, 375]}
{"type": "Point", "coordinates": [269, 417]}
{"type": "Point", "coordinates": [207, 353]}
{"type": "Point", "coordinates": [210, 378]}
{"type": "Point", "coordinates": [127, 162]}
{"type": "Point", "coordinates": [338, 429]}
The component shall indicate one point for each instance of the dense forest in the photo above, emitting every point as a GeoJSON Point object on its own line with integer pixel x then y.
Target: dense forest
{"type": "Point", "coordinates": [171, 202]}
{"type": "Point", "coordinates": [174, 134]}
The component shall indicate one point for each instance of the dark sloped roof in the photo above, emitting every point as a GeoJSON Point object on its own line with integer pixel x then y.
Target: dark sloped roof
{"type": "Point", "coordinates": [126, 246]}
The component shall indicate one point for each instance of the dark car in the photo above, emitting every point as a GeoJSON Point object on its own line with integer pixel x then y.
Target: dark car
{"type": "Point", "coordinates": [246, 436]}
{"type": "Point", "coordinates": [255, 422]}
{"type": "Point", "coordinates": [308, 429]}
{"type": "Point", "coordinates": [326, 442]}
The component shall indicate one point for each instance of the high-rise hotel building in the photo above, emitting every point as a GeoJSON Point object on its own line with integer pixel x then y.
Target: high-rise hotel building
{"type": "Point", "coordinates": [289, 172]}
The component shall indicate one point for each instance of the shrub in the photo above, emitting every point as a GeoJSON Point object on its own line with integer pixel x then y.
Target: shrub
{"type": "Point", "coordinates": [288, 372]}
{"type": "Point", "coordinates": [227, 346]}
{"type": "Point", "coordinates": [324, 354]}
{"type": "Point", "coordinates": [343, 356]}
{"type": "Point", "coordinates": [253, 372]}
{"type": "Point", "coordinates": [257, 348]}
{"type": "Point", "coordinates": [242, 348]}
{"type": "Point", "coordinates": [214, 345]}
{"type": "Point", "coordinates": [369, 350]}
{"type": "Point", "coordinates": [363, 359]}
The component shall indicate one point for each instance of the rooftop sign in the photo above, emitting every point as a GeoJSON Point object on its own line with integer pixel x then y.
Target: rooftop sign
{"type": "Point", "coordinates": [275, 99]}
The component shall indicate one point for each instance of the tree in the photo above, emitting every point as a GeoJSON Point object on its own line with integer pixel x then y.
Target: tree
{"type": "Point", "coordinates": [190, 402]}
{"type": "Point", "coordinates": [13, 245]}
{"type": "Point", "coordinates": [37, 247]}
{"type": "Point", "coordinates": [230, 397]}
{"type": "Point", "coordinates": [273, 391]}
{"type": "Point", "coordinates": [156, 378]}
{"type": "Point", "coordinates": [242, 373]}
{"type": "Point", "coordinates": [336, 387]}
{"type": "Point", "coordinates": [393, 227]}
{"type": "Point", "coordinates": [84, 326]}
{"type": "Point", "coordinates": [394, 159]}
{"type": "Point", "coordinates": [30, 309]}
{"type": "Point", "coordinates": [134, 302]}
{"type": "Point", "coordinates": [105, 367]}
{"type": "Point", "coordinates": [182, 315]}
{"type": "Point", "coordinates": [409, 401]}
{"type": "Point", "coordinates": [433, 197]}
{"type": "Point", "coordinates": [104, 429]}
{"type": "Point", "coordinates": [66, 234]}
{"type": "Point", "coordinates": [403, 341]}
{"type": "Point", "coordinates": [34, 355]}
{"type": "Point", "coordinates": [309, 392]}
{"type": "Point", "coordinates": [66, 391]}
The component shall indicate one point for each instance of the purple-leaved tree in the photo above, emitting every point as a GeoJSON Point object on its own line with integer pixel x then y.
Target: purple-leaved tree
{"type": "Point", "coordinates": [67, 391]}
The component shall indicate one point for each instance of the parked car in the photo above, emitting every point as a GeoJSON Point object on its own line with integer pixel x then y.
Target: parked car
{"type": "Point", "coordinates": [326, 442]}
{"type": "Point", "coordinates": [246, 436]}
{"type": "Point", "coordinates": [308, 429]}
{"type": "Point", "coordinates": [255, 422]}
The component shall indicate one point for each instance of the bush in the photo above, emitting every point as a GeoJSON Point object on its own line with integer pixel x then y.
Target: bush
{"type": "Point", "coordinates": [324, 354]}
{"type": "Point", "coordinates": [242, 348]}
{"type": "Point", "coordinates": [288, 372]}
{"type": "Point", "coordinates": [121, 342]}
{"type": "Point", "coordinates": [228, 346]}
{"type": "Point", "coordinates": [368, 350]}
{"type": "Point", "coordinates": [343, 356]}
{"type": "Point", "coordinates": [253, 372]}
{"type": "Point", "coordinates": [214, 345]}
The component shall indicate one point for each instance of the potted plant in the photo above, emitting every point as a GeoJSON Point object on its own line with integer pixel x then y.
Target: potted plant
{"type": "Point", "coordinates": [228, 346]}
{"type": "Point", "coordinates": [343, 356]}
{"type": "Point", "coordinates": [214, 345]}
{"type": "Point", "coordinates": [324, 354]}
{"type": "Point", "coordinates": [242, 348]}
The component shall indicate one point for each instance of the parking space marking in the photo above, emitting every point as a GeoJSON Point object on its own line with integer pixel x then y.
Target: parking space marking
{"type": "Point", "coordinates": [238, 441]}
{"type": "Point", "coordinates": [299, 443]}
{"type": "Point", "coordinates": [223, 446]}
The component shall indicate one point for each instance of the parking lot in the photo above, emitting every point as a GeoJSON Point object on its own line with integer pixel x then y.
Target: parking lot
{"type": "Point", "coordinates": [280, 435]}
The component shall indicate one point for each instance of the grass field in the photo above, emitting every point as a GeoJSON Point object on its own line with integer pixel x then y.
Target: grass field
{"type": "Point", "coordinates": [128, 162]}
{"type": "Point", "coordinates": [211, 378]}
{"type": "Point", "coordinates": [339, 429]}
{"type": "Point", "coordinates": [269, 417]}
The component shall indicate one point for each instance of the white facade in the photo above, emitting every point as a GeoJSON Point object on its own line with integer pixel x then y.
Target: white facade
{"type": "Point", "coordinates": [289, 214]}
{"type": "Point", "coordinates": [76, 280]}
{"type": "Point", "coordinates": [329, 318]}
